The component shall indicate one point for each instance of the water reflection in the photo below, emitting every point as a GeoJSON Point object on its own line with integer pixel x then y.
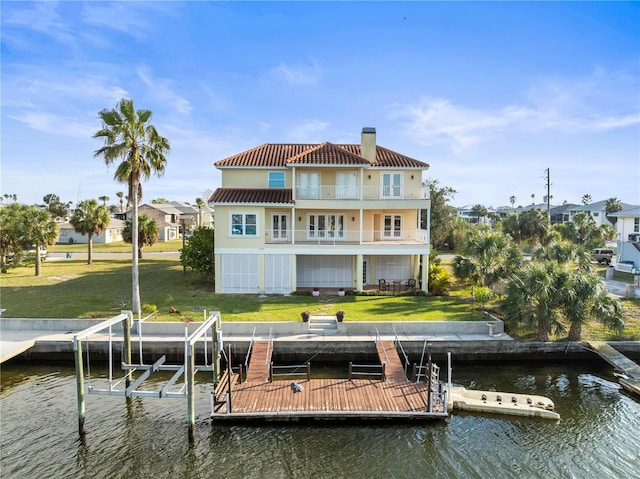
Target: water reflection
{"type": "Point", "coordinates": [144, 437]}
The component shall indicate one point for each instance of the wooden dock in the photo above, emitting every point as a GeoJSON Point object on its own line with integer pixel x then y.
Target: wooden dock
{"type": "Point", "coordinates": [389, 357]}
{"type": "Point", "coordinates": [630, 370]}
{"type": "Point", "coordinates": [326, 399]}
{"type": "Point", "coordinates": [330, 399]}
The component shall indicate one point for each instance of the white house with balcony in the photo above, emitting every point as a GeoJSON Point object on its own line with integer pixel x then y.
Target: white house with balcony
{"type": "Point", "coordinates": [291, 216]}
{"type": "Point", "coordinates": [628, 236]}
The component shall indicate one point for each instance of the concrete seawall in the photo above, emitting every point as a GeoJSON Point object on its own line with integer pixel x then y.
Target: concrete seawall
{"type": "Point", "coordinates": [52, 339]}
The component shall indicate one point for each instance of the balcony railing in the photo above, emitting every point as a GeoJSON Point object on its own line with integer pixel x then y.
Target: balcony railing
{"type": "Point", "coordinates": [332, 237]}
{"type": "Point", "coordinates": [333, 192]}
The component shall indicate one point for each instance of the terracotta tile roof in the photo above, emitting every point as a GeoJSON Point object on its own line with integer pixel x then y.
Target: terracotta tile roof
{"type": "Point", "coordinates": [327, 154]}
{"type": "Point", "coordinates": [281, 155]}
{"type": "Point", "coordinates": [252, 196]}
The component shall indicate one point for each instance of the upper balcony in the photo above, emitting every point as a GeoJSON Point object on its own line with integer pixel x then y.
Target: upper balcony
{"type": "Point", "coordinates": [347, 237]}
{"type": "Point", "coordinates": [337, 192]}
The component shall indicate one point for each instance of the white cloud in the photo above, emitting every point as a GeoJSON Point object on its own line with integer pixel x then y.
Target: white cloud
{"type": "Point", "coordinates": [596, 104]}
{"type": "Point", "coordinates": [297, 75]}
{"type": "Point", "coordinates": [42, 17]}
{"type": "Point", "coordinates": [308, 131]}
{"type": "Point", "coordinates": [55, 124]}
{"type": "Point", "coordinates": [161, 90]}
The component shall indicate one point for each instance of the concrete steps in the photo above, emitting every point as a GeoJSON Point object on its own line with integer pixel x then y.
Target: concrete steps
{"type": "Point", "coordinates": [323, 324]}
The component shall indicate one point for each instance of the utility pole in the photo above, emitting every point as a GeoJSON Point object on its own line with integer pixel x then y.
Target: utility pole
{"type": "Point", "coordinates": [548, 194]}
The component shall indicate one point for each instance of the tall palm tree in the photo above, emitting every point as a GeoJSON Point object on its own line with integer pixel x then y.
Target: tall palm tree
{"type": "Point", "coordinates": [39, 229]}
{"type": "Point", "coordinates": [90, 219]}
{"type": "Point", "coordinates": [512, 200]}
{"type": "Point", "coordinates": [612, 205]}
{"type": "Point", "coordinates": [200, 203]}
{"type": "Point", "coordinates": [104, 199]}
{"type": "Point", "coordinates": [130, 138]}
{"type": "Point", "coordinates": [147, 233]}
{"type": "Point", "coordinates": [479, 211]}
{"type": "Point", "coordinates": [586, 199]}
{"type": "Point", "coordinates": [120, 196]}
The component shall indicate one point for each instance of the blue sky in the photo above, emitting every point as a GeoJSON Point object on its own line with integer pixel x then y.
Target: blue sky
{"type": "Point", "coordinates": [489, 94]}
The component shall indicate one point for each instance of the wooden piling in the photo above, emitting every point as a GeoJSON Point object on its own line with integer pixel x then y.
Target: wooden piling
{"type": "Point", "coordinates": [77, 352]}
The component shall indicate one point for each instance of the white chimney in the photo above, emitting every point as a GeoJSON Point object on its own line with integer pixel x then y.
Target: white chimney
{"type": "Point", "coordinates": [368, 144]}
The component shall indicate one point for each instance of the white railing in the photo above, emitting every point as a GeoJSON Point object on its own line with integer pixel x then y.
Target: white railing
{"type": "Point", "coordinates": [333, 192]}
{"type": "Point", "coordinates": [328, 237]}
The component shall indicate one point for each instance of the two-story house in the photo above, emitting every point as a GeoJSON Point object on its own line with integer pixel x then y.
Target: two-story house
{"type": "Point", "coordinates": [291, 216]}
{"type": "Point", "coordinates": [628, 235]}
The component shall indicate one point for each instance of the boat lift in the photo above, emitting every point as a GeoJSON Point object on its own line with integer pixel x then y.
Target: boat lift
{"type": "Point", "coordinates": [188, 368]}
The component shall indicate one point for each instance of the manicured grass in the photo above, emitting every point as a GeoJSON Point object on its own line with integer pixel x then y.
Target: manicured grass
{"type": "Point", "coordinates": [117, 247]}
{"type": "Point", "coordinates": [73, 289]}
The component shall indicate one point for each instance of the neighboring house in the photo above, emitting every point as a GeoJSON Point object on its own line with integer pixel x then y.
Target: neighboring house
{"type": "Point", "coordinates": [196, 216]}
{"type": "Point", "coordinates": [561, 214]}
{"type": "Point", "coordinates": [292, 216]}
{"type": "Point", "coordinates": [466, 213]}
{"type": "Point", "coordinates": [168, 218]}
{"type": "Point", "coordinates": [628, 236]}
{"type": "Point", "coordinates": [597, 211]}
{"type": "Point", "coordinates": [67, 235]}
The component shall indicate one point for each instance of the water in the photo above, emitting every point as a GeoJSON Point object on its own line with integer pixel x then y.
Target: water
{"type": "Point", "coordinates": [598, 436]}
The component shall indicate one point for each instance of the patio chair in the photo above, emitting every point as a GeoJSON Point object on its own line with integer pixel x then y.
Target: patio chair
{"type": "Point", "coordinates": [411, 285]}
{"type": "Point", "coordinates": [383, 285]}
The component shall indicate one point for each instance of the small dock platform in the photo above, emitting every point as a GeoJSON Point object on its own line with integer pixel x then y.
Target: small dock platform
{"type": "Point", "coordinates": [327, 399]}
{"type": "Point", "coordinates": [629, 369]}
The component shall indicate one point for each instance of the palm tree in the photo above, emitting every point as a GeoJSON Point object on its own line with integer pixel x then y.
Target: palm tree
{"type": "Point", "coordinates": [38, 229]}
{"type": "Point", "coordinates": [586, 199]}
{"type": "Point", "coordinates": [90, 219]}
{"type": "Point", "coordinates": [129, 137]}
{"type": "Point", "coordinates": [612, 205]}
{"type": "Point", "coordinates": [147, 233]}
{"type": "Point", "coordinates": [479, 211]}
{"type": "Point", "coordinates": [559, 283]}
{"type": "Point", "coordinates": [200, 203]}
{"type": "Point", "coordinates": [512, 200]}
{"type": "Point", "coordinates": [488, 257]}
{"type": "Point", "coordinates": [104, 200]}
{"type": "Point", "coordinates": [533, 198]}
{"type": "Point", "coordinates": [120, 196]}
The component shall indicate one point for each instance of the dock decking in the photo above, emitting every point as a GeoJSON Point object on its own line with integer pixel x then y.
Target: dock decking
{"type": "Point", "coordinates": [393, 398]}
{"type": "Point", "coordinates": [330, 399]}
{"type": "Point", "coordinates": [389, 357]}
{"type": "Point", "coordinates": [258, 370]}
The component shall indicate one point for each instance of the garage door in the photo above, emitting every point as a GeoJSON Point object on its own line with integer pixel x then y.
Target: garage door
{"type": "Point", "coordinates": [277, 273]}
{"type": "Point", "coordinates": [239, 273]}
{"type": "Point", "coordinates": [324, 271]}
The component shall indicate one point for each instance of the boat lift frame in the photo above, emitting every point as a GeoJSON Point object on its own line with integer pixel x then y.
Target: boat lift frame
{"type": "Point", "coordinates": [188, 368]}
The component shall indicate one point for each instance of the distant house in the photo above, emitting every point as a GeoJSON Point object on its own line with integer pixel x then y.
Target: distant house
{"type": "Point", "coordinates": [168, 218]}
{"type": "Point", "coordinates": [561, 214]}
{"type": "Point", "coordinates": [201, 216]}
{"type": "Point", "coordinates": [67, 235]}
{"type": "Point", "coordinates": [597, 211]}
{"type": "Point", "coordinates": [628, 236]}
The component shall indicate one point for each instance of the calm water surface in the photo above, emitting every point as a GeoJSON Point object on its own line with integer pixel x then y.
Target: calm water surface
{"type": "Point", "coordinates": [598, 436]}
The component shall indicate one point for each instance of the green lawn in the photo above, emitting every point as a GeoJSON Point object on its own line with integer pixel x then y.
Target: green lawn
{"type": "Point", "coordinates": [117, 247]}
{"type": "Point", "coordinates": [72, 289]}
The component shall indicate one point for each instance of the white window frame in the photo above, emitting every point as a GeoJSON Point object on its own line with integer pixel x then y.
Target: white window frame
{"type": "Point", "coordinates": [276, 177]}
{"type": "Point", "coordinates": [394, 187]}
{"type": "Point", "coordinates": [308, 185]}
{"type": "Point", "coordinates": [279, 233]}
{"type": "Point", "coordinates": [249, 222]}
{"type": "Point", "coordinates": [392, 228]}
{"type": "Point", "coordinates": [636, 225]}
{"type": "Point", "coordinates": [347, 185]}
{"type": "Point", "coordinates": [325, 225]}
